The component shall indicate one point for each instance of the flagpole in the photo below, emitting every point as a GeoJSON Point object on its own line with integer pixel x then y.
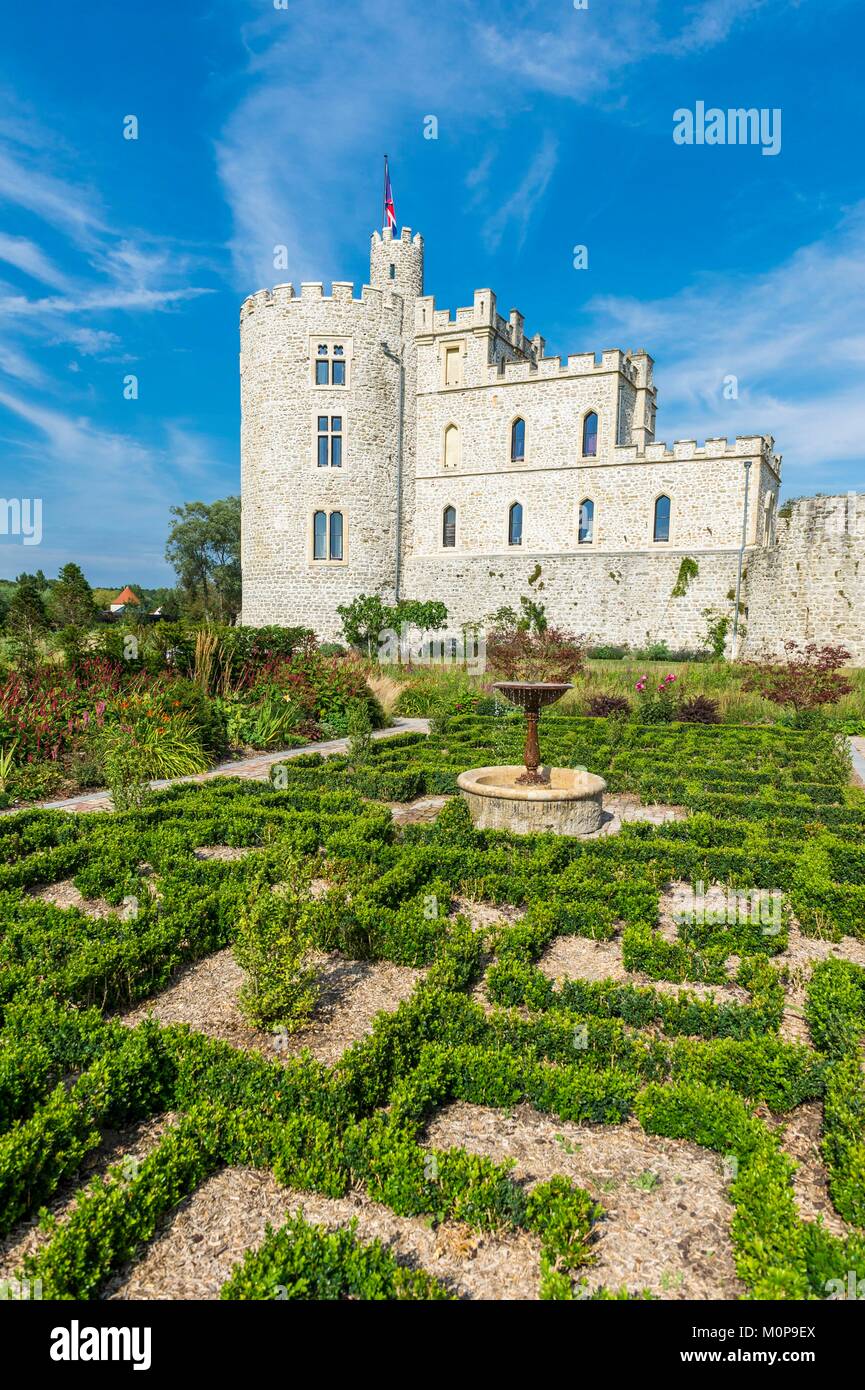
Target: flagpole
{"type": "Point", "coordinates": [384, 196]}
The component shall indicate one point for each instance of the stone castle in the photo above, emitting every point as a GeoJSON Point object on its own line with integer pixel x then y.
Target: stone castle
{"type": "Point", "coordinates": [389, 448]}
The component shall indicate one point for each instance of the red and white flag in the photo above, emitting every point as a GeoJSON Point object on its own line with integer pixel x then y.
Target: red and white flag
{"type": "Point", "coordinates": [389, 211]}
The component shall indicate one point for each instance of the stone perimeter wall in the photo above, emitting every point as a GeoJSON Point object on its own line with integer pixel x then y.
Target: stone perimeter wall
{"type": "Point", "coordinates": [810, 586]}
{"type": "Point", "coordinates": [605, 597]}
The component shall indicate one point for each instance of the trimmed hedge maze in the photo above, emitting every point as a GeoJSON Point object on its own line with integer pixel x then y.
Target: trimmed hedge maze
{"type": "Point", "coordinates": [766, 809]}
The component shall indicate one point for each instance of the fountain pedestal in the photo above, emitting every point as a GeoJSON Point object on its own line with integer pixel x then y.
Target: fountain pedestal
{"type": "Point", "coordinates": [567, 802]}
{"type": "Point", "coordinates": [533, 798]}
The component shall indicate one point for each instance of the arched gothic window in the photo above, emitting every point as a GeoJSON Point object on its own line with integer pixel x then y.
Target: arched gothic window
{"type": "Point", "coordinates": [661, 530]}
{"type": "Point", "coordinates": [518, 441]}
{"type": "Point", "coordinates": [590, 435]}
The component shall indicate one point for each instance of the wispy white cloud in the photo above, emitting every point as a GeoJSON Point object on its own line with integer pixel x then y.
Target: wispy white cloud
{"type": "Point", "coordinates": [516, 212]}
{"type": "Point", "coordinates": [790, 336]}
{"type": "Point", "coordinates": [25, 255]}
{"type": "Point", "coordinates": [104, 299]}
{"type": "Point", "coordinates": [581, 54]}
{"type": "Point", "coordinates": [328, 85]}
{"type": "Point", "coordinates": [61, 203]}
{"type": "Point", "coordinates": [106, 493]}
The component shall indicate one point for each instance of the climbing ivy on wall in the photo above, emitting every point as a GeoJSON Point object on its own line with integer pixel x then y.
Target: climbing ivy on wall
{"type": "Point", "coordinates": [688, 570]}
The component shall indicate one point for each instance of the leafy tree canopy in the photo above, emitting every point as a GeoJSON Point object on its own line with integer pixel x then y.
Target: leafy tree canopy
{"type": "Point", "coordinates": [204, 548]}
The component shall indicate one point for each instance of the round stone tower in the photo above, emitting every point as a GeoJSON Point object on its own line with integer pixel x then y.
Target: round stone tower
{"type": "Point", "coordinates": [327, 440]}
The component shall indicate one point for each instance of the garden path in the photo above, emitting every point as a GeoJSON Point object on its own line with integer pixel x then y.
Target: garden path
{"type": "Point", "coordinates": [253, 769]}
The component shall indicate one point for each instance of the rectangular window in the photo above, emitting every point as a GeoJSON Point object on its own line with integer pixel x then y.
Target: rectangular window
{"type": "Point", "coordinates": [453, 372]}
{"type": "Point", "coordinates": [336, 535]}
{"type": "Point", "coordinates": [330, 364]}
{"type": "Point", "coordinates": [329, 441]}
{"type": "Point", "coordinates": [327, 536]}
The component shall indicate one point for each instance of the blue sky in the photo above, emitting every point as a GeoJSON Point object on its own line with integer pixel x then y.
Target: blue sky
{"type": "Point", "coordinates": [260, 126]}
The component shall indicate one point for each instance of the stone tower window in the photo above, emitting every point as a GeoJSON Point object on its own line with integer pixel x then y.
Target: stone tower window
{"type": "Point", "coordinates": [330, 362]}
{"type": "Point", "coordinates": [590, 435]}
{"type": "Point", "coordinates": [330, 441]}
{"type": "Point", "coordinates": [449, 528]}
{"type": "Point", "coordinates": [662, 518]}
{"type": "Point", "coordinates": [518, 441]}
{"type": "Point", "coordinates": [453, 366]}
{"type": "Point", "coordinates": [515, 524]}
{"type": "Point", "coordinates": [452, 447]}
{"type": "Point", "coordinates": [392, 271]}
{"type": "Point", "coordinates": [587, 521]}
{"type": "Point", "coordinates": [327, 536]}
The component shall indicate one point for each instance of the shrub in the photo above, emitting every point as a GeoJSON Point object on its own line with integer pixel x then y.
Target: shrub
{"type": "Point", "coordinates": [807, 679]}
{"type": "Point", "coordinates": [301, 1261]}
{"type": "Point", "coordinates": [515, 654]}
{"type": "Point", "coordinates": [656, 706]}
{"type": "Point", "coordinates": [438, 690]}
{"type": "Point", "coordinates": [272, 944]}
{"type": "Point", "coordinates": [701, 709]}
{"type": "Point", "coordinates": [607, 653]}
{"type": "Point", "coordinates": [359, 727]}
{"type": "Point", "coordinates": [605, 706]}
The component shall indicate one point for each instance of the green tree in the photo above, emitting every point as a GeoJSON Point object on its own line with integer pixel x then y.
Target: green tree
{"type": "Point", "coordinates": [427, 616]}
{"type": "Point", "coordinates": [27, 615]}
{"type": "Point", "coordinates": [204, 548]}
{"type": "Point", "coordinates": [72, 602]}
{"type": "Point", "coordinates": [362, 621]}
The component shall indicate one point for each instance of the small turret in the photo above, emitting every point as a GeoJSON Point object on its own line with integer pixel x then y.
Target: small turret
{"type": "Point", "coordinates": [396, 263]}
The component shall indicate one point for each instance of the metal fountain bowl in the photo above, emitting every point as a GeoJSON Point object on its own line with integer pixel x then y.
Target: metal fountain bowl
{"type": "Point", "coordinates": [533, 695]}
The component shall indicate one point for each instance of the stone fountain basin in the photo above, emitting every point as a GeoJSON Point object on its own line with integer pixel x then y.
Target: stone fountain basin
{"type": "Point", "coordinates": [568, 803]}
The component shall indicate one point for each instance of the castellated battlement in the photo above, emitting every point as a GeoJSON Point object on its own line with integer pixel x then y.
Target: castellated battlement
{"type": "Point", "coordinates": [635, 367]}
{"type": "Point", "coordinates": [386, 235]}
{"type": "Point", "coordinates": [372, 300]}
{"type": "Point", "coordinates": [755, 446]}
{"type": "Point", "coordinates": [482, 315]}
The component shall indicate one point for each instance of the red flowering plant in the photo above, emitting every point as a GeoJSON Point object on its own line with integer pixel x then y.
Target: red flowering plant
{"type": "Point", "coordinates": [318, 690]}
{"type": "Point", "coordinates": [658, 705]}
{"type": "Point", "coordinates": [48, 713]}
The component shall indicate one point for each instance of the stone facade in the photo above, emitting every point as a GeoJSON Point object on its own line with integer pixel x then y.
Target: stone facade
{"type": "Point", "coordinates": [425, 404]}
{"type": "Point", "coordinates": [811, 584]}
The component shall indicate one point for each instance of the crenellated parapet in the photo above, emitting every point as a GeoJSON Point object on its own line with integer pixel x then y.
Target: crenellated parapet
{"type": "Point", "coordinates": [758, 447]}
{"type": "Point", "coordinates": [372, 301]}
